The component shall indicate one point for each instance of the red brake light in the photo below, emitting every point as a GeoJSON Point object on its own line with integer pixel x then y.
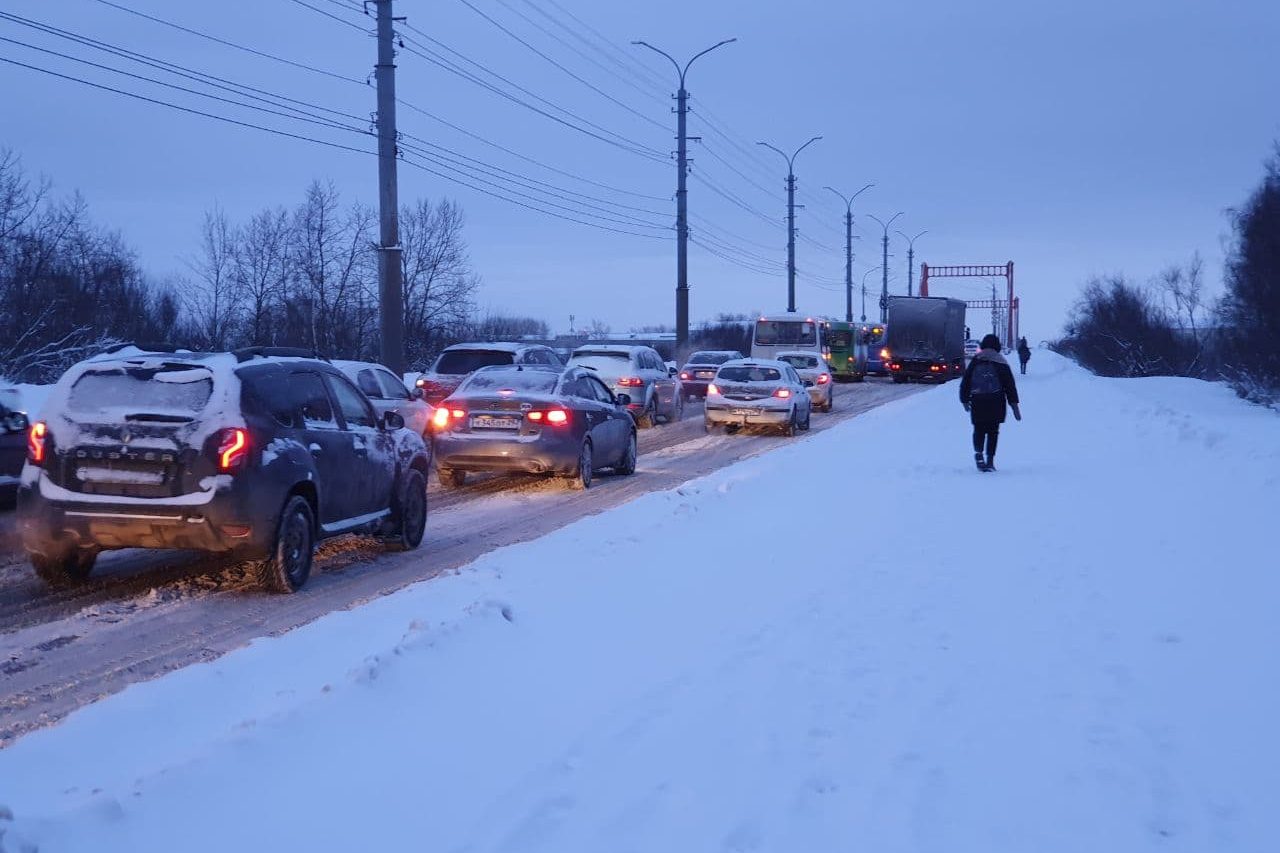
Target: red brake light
{"type": "Point", "coordinates": [784, 393]}
{"type": "Point", "coordinates": [824, 378]}
{"type": "Point", "coordinates": [712, 390]}
{"type": "Point", "coordinates": [36, 437]}
{"type": "Point", "coordinates": [440, 419]}
{"type": "Point", "coordinates": [684, 375]}
{"type": "Point", "coordinates": [557, 416]}
{"type": "Point", "coordinates": [420, 382]}
{"type": "Point", "coordinates": [631, 382]}
{"type": "Point", "coordinates": [233, 449]}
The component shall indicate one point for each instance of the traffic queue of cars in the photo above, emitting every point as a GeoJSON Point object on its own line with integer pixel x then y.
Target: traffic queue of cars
{"type": "Point", "coordinates": [260, 453]}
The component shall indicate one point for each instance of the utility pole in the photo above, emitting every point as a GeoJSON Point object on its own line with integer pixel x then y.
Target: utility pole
{"type": "Point", "coordinates": [848, 254]}
{"type": "Point", "coordinates": [864, 292]}
{"type": "Point", "coordinates": [390, 274]}
{"type": "Point", "coordinates": [995, 310]}
{"type": "Point", "coordinates": [911, 256]}
{"type": "Point", "coordinates": [791, 218]}
{"type": "Point", "coordinates": [682, 201]}
{"type": "Point", "coordinates": [884, 266]}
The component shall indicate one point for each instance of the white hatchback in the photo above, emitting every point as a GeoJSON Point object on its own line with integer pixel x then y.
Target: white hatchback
{"type": "Point", "coordinates": [815, 375]}
{"type": "Point", "coordinates": [764, 392]}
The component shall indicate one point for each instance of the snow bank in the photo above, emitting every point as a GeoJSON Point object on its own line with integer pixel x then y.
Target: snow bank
{"type": "Point", "coordinates": [1074, 653]}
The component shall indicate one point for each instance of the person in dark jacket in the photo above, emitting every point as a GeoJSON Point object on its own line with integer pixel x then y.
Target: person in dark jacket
{"type": "Point", "coordinates": [1024, 354]}
{"type": "Point", "coordinates": [986, 387]}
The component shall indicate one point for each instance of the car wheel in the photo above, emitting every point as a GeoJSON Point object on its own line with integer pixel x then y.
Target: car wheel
{"type": "Point", "coordinates": [627, 465]}
{"type": "Point", "coordinates": [898, 380]}
{"type": "Point", "coordinates": [808, 416]}
{"type": "Point", "coordinates": [289, 565]}
{"type": "Point", "coordinates": [582, 477]}
{"type": "Point", "coordinates": [679, 415]}
{"type": "Point", "coordinates": [411, 513]}
{"type": "Point", "coordinates": [649, 416]}
{"type": "Point", "coordinates": [731, 429]}
{"type": "Point", "coordinates": [451, 477]}
{"type": "Point", "coordinates": [789, 429]}
{"type": "Point", "coordinates": [64, 567]}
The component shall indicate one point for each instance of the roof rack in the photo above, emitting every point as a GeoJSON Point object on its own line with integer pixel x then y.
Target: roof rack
{"type": "Point", "coordinates": [145, 346]}
{"type": "Point", "coordinates": [246, 353]}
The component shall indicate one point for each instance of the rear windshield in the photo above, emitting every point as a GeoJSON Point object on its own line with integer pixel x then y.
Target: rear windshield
{"type": "Point", "coordinates": [610, 364]}
{"type": "Point", "coordinates": [749, 374]}
{"type": "Point", "coordinates": [178, 389]}
{"type": "Point", "coordinates": [712, 357]}
{"type": "Point", "coordinates": [840, 338]}
{"type": "Point", "coordinates": [586, 354]}
{"type": "Point", "coordinates": [800, 361]}
{"type": "Point", "coordinates": [517, 381]}
{"type": "Point", "coordinates": [462, 361]}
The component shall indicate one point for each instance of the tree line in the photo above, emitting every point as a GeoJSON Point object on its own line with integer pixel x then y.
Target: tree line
{"type": "Point", "coordinates": [305, 276]}
{"type": "Point", "coordinates": [1169, 326]}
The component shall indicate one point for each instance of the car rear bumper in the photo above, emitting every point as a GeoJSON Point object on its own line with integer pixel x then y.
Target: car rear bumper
{"type": "Point", "coordinates": [695, 387]}
{"type": "Point", "coordinates": [746, 414]}
{"type": "Point", "coordinates": [530, 455]}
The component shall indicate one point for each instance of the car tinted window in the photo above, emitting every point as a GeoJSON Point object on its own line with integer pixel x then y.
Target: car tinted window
{"type": "Point", "coordinates": [712, 357]}
{"type": "Point", "coordinates": [598, 390]}
{"type": "Point", "coordinates": [313, 401]}
{"type": "Point", "coordinates": [272, 394]}
{"type": "Point", "coordinates": [800, 361]}
{"type": "Point", "coordinates": [466, 360]}
{"type": "Point", "coordinates": [369, 384]}
{"type": "Point", "coordinates": [518, 381]}
{"type": "Point", "coordinates": [356, 410]}
{"type": "Point", "coordinates": [179, 389]}
{"type": "Point", "coordinates": [392, 388]}
{"type": "Point", "coordinates": [603, 355]}
{"type": "Point", "coordinates": [749, 374]}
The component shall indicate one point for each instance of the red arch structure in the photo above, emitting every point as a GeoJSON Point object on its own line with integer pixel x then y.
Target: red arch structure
{"type": "Point", "coordinates": [980, 271]}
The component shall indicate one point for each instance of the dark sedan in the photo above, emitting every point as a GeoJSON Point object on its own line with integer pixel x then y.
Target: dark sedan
{"type": "Point", "coordinates": [536, 420]}
{"type": "Point", "coordinates": [701, 368]}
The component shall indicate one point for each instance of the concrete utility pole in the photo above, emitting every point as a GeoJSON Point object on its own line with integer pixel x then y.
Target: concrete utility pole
{"type": "Point", "coordinates": [848, 254]}
{"type": "Point", "coordinates": [791, 217]}
{"type": "Point", "coordinates": [911, 256]}
{"type": "Point", "coordinates": [864, 291]}
{"type": "Point", "coordinates": [682, 203]}
{"type": "Point", "coordinates": [884, 266]}
{"type": "Point", "coordinates": [390, 274]}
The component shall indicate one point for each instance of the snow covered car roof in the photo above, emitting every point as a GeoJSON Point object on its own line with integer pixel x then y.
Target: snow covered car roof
{"type": "Point", "coordinates": [495, 346]}
{"type": "Point", "coordinates": [625, 349]}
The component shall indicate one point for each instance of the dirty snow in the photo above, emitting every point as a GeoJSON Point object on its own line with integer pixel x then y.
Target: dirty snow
{"type": "Point", "coordinates": [1076, 653]}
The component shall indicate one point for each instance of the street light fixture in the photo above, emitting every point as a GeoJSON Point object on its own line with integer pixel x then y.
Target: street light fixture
{"type": "Point", "coordinates": [911, 256]}
{"type": "Point", "coordinates": [864, 291]}
{"type": "Point", "coordinates": [791, 217]}
{"type": "Point", "coordinates": [682, 207]}
{"type": "Point", "coordinates": [884, 266]}
{"type": "Point", "coordinates": [848, 249]}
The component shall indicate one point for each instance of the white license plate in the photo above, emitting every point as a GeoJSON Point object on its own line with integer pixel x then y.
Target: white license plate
{"type": "Point", "coordinates": [746, 411]}
{"type": "Point", "coordinates": [487, 422]}
{"type": "Point", "coordinates": [704, 374]}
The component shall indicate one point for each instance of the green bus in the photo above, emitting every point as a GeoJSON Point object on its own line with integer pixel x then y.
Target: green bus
{"type": "Point", "coordinates": [839, 347]}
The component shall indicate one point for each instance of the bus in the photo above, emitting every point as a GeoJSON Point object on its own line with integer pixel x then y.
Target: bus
{"type": "Point", "coordinates": [786, 332]}
{"type": "Point", "coordinates": [840, 347]}
{"type": "Point", "coordinates": [872, 355]}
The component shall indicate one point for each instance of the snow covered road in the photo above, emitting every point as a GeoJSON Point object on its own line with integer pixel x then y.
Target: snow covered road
{"type": "Point", "coordinates": [1072, 654]}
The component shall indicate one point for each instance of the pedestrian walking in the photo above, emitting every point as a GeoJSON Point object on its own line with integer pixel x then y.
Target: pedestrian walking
{"type": "Point", "coordinates": [985, 390]}
{"type": "Point", "coordinates": [1024, 354]}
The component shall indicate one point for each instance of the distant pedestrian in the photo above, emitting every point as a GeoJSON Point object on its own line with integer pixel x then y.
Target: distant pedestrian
{"type": "Point", "coordinates": [984, 390]}
{"type": "Point", "coordinates": [1024, 354]}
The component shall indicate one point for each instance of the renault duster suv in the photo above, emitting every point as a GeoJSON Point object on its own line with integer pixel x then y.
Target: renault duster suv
{"type": "Point", "coordinates": [257, 453]}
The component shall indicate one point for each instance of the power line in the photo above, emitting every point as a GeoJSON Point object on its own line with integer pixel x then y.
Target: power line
{"type": "Point", "coordinates": [330, 15]}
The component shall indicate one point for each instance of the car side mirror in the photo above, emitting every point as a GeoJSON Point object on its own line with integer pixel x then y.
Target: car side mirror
{"type": "Point", "coordinates": [417, 393]}
{"type": "Point", "coordinates": [671, 371]}
{"type": "Point", "coordinates": [623, 399]}
{"type": "Point", "coordinates": [393, 420]}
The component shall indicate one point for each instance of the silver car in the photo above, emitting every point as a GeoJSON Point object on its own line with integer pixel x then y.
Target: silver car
{"type": "Point", "coordinates": [389, 394]}
{"type": "Point", "coordinates": [749, 391]}
{"type": "Point", "coordinates": [816, 376]}
{"type": "Point", "coordinates": [641, 374]}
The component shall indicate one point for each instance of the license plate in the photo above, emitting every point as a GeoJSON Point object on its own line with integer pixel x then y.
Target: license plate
{"type": "Point", "coordinates": [488, 422]}
{"type": "Point", "coordinates": [746, 411]}
{"type": "Point", "coordinates": [704, 374]}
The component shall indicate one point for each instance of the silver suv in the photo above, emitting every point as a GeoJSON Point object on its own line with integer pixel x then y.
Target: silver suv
{"type": "Point", "coordinates": [641, 374]}
{"type": "Point", "coordinates": [459, 361]}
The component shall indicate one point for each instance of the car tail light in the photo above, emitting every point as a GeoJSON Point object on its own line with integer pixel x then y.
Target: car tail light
{"type": "Point", "coordinates": [37, 436]}
{"type": "Point", "coordinates": [420, 382]}
{"type": "Point", "coordinates": [895, 366]}
{"type": "Point", "coordinates": [631, 382]}
{"type": "Point", "coordinates": [444, 415]}
{"type": "Point", "coordinates": [934, 368]}
{"type": "Point", "coordinates": [712, 390]}
{"type": "Point", "coordinates": [850, 358]}
{"type": "Point", "coordinates": [684, 375]}
{"type": "Point", "coordinates": [824, 378]}
{"type": "Point", "coordinates": [784, 393]}
{"type": "Point", "coordinates": [556, 417]}
{"type": "Point", "coordinates": [233, 449]}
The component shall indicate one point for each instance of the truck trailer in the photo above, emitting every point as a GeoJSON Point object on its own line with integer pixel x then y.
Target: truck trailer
{"type": "Point", "coordinates": [925, 338]}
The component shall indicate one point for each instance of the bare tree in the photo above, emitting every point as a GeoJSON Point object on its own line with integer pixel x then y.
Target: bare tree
{"type": "Point", "coordinates": [1184, 287]}
{"type": "Point", "coordinates": [438, 282]}
{"type": "Point", "coordinates": [333, 254]}
{"type": "Point", "coordinates": [262, 269]}
{"type": "Point", "coordinates": [213, 299]}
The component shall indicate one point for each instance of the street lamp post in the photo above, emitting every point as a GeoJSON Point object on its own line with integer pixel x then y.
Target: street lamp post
{"type": "Point", "coordinates": [911, 255]}
{"type": "Point", "coordinates": [864, 291]}
{"type": "Point", "coordinates": [848, 250]}
{"type": "Point", "coordinates": [884, 266]}
{"type": "Point", "coordinates": [682, 208]}
{"type": "Point", "coordinates": [791, 217]}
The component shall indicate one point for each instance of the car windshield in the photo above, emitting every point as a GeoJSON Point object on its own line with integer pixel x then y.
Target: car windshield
{"type": "Point", "coordinates": [514, 381]}
{"type": "Point", "coordinates": [605, 355]}
{"type": "Point", "coordinates": [466, 360]}
{"type": "Point", "coordinates": [178, 389]}
{"type": "Point", "coordinates": [749, 374]}
{"type": "Point", "coordinates": [785, 332]}
{"type": "Point", "coordinates": [711, 357]}
{"type": "Point", "coordinates": [606, 364]}
{"type": "Point", "coordinates": [800, 362]}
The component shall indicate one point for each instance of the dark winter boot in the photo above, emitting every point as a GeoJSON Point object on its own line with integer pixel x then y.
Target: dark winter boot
{"type": "Point", "coordinates": [978, 460]}
{"type": "Point", "coordinates": [990, 464]}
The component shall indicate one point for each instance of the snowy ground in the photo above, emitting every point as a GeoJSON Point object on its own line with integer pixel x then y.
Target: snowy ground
{"type": "Point", "coordinates": [1076, 653]}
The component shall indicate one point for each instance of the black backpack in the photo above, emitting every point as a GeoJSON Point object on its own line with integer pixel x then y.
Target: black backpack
{"type": "Point", "coordinates": [985, 378]}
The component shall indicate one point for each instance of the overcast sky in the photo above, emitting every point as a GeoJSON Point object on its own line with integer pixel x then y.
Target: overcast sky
{"type": "Point", "coordinates": [1073, 139]}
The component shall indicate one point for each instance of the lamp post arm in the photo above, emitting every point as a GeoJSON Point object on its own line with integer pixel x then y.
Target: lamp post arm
{"type": "Point", "coordinates": [668, 56]}
{"type": "Point", "coordinates": [696, 55]}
